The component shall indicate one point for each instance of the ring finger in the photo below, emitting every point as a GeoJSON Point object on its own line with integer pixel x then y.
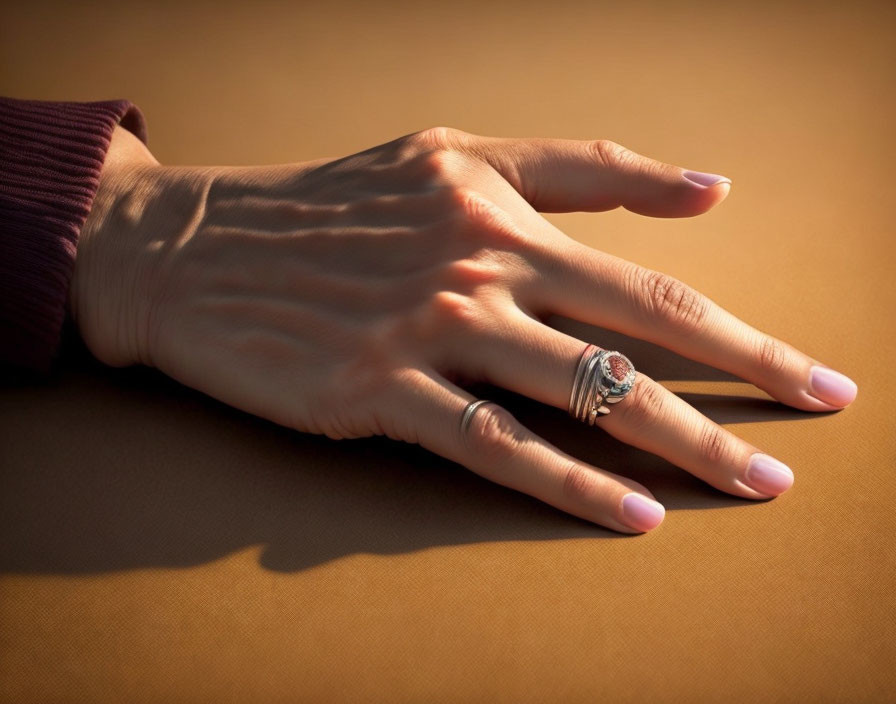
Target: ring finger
{"type": "Point", "coordinates": [537, 361]}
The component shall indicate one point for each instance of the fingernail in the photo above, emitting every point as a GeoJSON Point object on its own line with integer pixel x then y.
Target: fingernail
{"type": "Point", "coordinates": [642, 513]}
{"type": "Point", "coordinates": [768, 476]}
{"type": "Point", "coordinates": [832, 387]}
{"type": "Point", "coordinates": [705, 180]}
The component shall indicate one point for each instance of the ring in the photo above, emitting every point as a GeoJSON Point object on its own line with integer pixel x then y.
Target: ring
{"type": "Point", "coordinates": [602, 377]}
{"type": "Point", "coordinates": [467, 416]}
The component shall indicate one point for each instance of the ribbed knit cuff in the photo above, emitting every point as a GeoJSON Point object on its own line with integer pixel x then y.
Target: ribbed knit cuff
{"type": "Point", "coordinates": [51, 154]}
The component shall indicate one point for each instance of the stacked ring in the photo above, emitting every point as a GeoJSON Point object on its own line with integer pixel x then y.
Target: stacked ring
{"type": "Point", "coordinates": [602, 377]}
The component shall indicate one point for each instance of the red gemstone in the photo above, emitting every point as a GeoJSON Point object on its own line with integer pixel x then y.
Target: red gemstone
{"type": "Point", "coordinates": [619, 368]}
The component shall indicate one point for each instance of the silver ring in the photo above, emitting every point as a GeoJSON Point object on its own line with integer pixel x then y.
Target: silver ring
{"type": "Point", "coordinates": [602, 377]}
{"type": "Point", "coordinates": [467, 416]}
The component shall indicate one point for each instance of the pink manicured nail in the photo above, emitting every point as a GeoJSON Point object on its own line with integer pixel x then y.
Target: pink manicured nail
{"type": "Point", "coordinates": [832, 387]}
{"type": "Point", "coordinates": [642, 513]}
{"type": "Point", "coordinates": [768, 476]}
{"type": "Point", "coordinates": [705, 180]}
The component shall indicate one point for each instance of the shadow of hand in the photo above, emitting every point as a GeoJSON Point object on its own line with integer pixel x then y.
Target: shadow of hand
{"type": "Point", "coordinates": [144, 472]}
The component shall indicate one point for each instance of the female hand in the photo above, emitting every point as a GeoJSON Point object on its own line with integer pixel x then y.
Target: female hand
{"type": "Point", "coordinates": [352, 296]}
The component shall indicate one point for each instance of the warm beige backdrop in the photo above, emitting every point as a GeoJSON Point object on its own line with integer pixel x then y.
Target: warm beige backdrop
{"type": "Point", "coordinates": [156, 545]}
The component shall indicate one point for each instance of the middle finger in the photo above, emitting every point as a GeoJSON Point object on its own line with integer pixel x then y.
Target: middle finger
{"type": "Point", "coordinates": [604, 290]}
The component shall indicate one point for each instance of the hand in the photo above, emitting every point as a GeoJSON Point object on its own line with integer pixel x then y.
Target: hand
{"type": "Point", "coordinates": [353, 296]}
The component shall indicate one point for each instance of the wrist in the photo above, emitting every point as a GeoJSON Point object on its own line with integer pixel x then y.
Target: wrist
{"type": "Point", "coordinates": [140, 213]}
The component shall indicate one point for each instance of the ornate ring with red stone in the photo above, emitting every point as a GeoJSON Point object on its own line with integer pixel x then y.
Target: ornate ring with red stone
{"type": "Point", "coordinates": [617, 375]}
{"type": "Point", "coordinates": [602, 376]}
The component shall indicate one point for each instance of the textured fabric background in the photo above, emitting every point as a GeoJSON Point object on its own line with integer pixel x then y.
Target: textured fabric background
{"type": "Point", "coordinates": [156, 545]}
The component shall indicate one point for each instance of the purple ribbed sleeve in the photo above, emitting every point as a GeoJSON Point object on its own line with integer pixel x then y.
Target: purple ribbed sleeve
{"type": "Point", "coordinates": [51, 154]}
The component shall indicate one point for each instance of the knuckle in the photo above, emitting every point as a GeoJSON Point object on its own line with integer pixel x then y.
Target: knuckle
{"type": "Point", "coordinates": [467, 274]}
{"type": "Point", "coordinates": [495, 435]}
{"type": "Point", "coordinates": [437, 137]}
{"type": "Point", "coordinates": [647, 401]}
{"type": "Point", "coordinates": [578, 485]}
{"type": "Point", "coordinates": [438, 165]}
{"type": "Point", "coordinates": [610, 155]}
{"type": "Point", "coordinates": [771, 355]}
{"type": "Point", "coordinates": [452, 311]}
{"type": "Point", "coordinates": [486, 222]}
{"type": "Point", "coordinates": [671, 301]}
{"type": "Point", "coordinates": [714, 446]}
{"type": "Point", "coordinates": [472, 206]}
{"type": "Point", "coordinates": [449, 320]}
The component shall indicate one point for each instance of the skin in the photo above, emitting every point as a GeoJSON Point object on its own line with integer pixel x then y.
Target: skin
{"type": "Point", "coordinates": [353, 297]}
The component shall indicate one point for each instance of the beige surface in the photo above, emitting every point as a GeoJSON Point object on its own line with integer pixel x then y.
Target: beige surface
{"type": "Point", "coordinates": [156, 545]}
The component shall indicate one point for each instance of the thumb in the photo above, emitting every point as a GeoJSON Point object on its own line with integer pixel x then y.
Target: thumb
{"type": "Point", "coordinates": [563, 175]}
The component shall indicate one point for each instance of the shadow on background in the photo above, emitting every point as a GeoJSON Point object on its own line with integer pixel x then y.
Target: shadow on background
{"type": "Point", "coordinates": [111, 469]}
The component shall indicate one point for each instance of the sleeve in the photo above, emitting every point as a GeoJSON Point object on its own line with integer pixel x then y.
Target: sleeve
{"type": "Point", "coordinates": [51, 154]}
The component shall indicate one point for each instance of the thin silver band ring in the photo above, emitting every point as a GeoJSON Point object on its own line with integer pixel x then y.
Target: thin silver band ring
{"type": "Point", "coordinates": [467, 416]}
